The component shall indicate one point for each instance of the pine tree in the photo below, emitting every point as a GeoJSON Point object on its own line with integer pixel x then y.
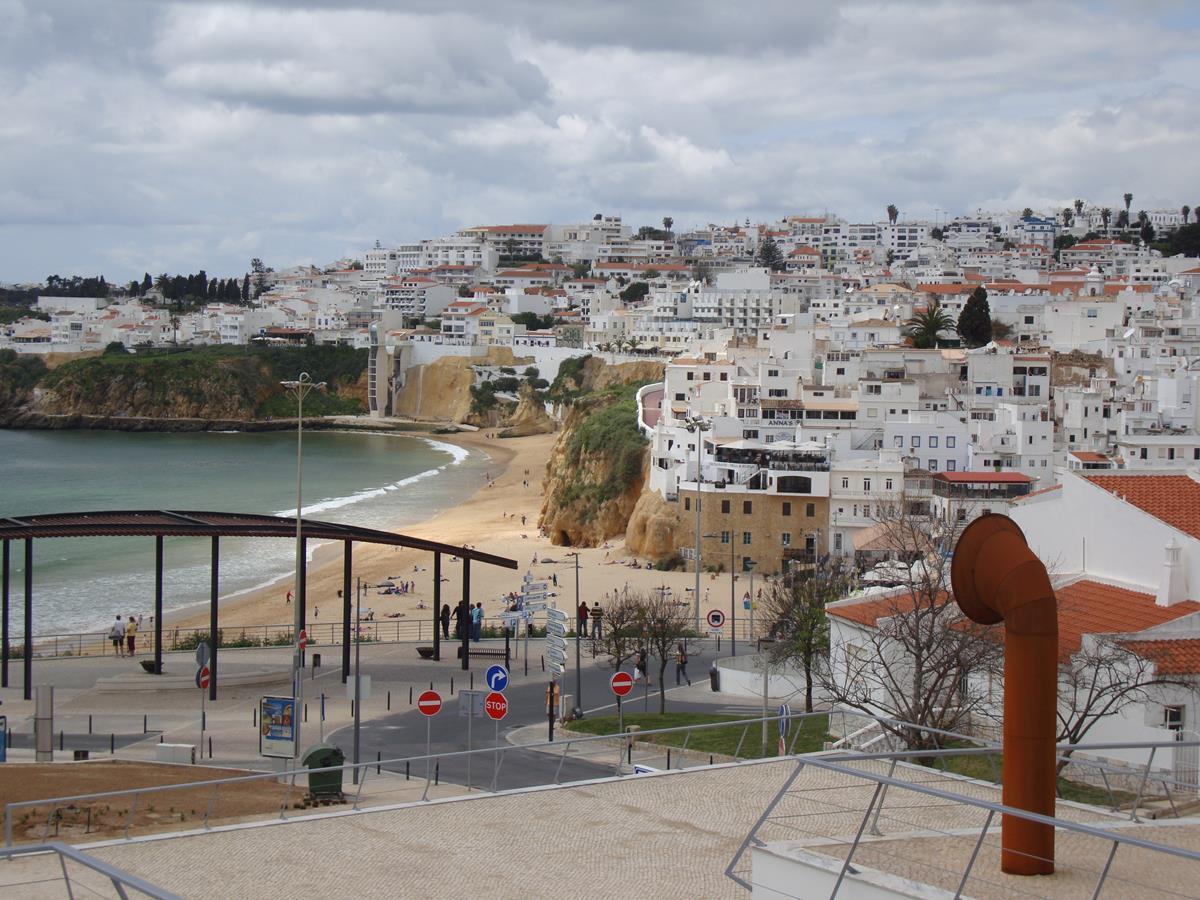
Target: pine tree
{"type": "Point", "coordinates": [246, 288]}
{"type": "Point", "coordinates": [769, 255]}
{"type": "Point", "coordinates": [975, 321]}
{"type": "Point", "coordinates": [147, 283]}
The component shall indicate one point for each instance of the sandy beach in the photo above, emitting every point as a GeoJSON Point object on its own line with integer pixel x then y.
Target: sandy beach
{"type": "Point", "coordinates": [490, 520]}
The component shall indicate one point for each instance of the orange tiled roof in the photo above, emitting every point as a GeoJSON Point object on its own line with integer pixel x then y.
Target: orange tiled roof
{"type": "Point", "coordinates": [1178, 657]}
{"type": "Point", "coordinates": [869, 612]}
{"type": "Point", "coordinates": [1089, 607]}
{"type": "Point", "coordinates": [1174, 499]}
{"type": "Point", "coordinates": [1089, 456]}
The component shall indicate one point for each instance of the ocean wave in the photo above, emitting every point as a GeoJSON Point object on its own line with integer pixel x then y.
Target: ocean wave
{"type": "Point", "coordinates": [365, 494]}
{"type": "Point", "coordinates": [459, 453]}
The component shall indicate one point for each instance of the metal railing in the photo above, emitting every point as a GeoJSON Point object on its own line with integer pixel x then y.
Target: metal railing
{"type": "Point", "coordinates": [119, 878]}
{"type": "Point", "coordinates": [629, 747]}
{"type": "Point", "coordinates": [793, 824]}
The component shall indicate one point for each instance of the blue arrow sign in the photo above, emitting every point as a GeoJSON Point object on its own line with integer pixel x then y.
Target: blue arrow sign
{"type": "Point", "coordinates": [785, 721]}
{"type": "Point", "coordinates": [497, 677]}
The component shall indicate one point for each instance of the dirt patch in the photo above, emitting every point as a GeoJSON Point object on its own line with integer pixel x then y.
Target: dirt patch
{"type": "Point", "coordinates": [165, 811]}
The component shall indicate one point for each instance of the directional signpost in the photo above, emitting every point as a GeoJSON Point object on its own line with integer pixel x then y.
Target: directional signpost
{"type": "Point", "coordinates": [621, 684]}
{"type": "Point", "coordinates": [556, 654]}
{"type": "Point", "coordinates": [203, 678]}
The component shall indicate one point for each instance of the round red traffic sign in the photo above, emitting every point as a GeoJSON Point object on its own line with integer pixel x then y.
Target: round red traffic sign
{"type": "Point", "coordinates": [429, 703]}
{"type": "Point", "coordinates": [495, 705]}
{"type": "Point", "coordinates": [716, 618]}
{"type": "Point", "coordinates": [621, 683]}
{"type": "Point", "coordinates": [203, 677]}
{"type": "Point", "coordinates": [303, 642]}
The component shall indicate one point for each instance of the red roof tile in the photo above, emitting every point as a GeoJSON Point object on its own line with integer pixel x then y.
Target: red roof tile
{"type": "Point", "coordinates": [1174, 499]}
{"type": "Point", "coordinates": [1178, 657]}
{"type": "Point", "coordinates": [983, 477]}
{"type": "Point", "coordinates": [1089, 456]}
{"type": "Point", "coordinates": [1089, 607]}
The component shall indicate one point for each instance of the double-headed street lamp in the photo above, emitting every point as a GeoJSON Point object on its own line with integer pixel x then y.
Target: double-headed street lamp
{"type": "Point", "coordinates": [578, 628]}
{"type": "Point", "coordinates": [695, 425]}
{"type": "Point", "coordinates": [300, 388]}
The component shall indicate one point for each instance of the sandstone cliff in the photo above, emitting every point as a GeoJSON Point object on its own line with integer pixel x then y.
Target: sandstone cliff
{"type": "Point", "coordinates": [529, 416]}
{"type": "Point", "coordinates": [653, 527]}
{"type": "Point", "coordinates": [441, 390]}
{"type": "Point", "coordinates": [598, 466]}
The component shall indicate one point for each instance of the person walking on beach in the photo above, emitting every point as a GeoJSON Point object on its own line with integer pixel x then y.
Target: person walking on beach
{"type": "Point", "coordinates": [445, 619]}
{"type": "Point", "coordinates": [597, 620]}
{"type": "Point", "coordinates": [681, 661]}
{"type": "Point", "coordinates": [131, 636]}
{"type": "Point", "coordinates": [117, 635]}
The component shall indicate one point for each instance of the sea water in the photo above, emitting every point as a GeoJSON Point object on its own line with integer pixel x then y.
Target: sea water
{"type": "Point", "coordinates": [373, 480]}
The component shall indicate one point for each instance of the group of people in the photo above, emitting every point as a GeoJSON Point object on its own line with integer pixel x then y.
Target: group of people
{"type": "Point", "coordinates": [123, 635]}
{"type": "Point", "coordinates": [595, 615]}
{"type": "Point", "coordinates": [468, 620]}
{"type": "Point", "coordinates": [642, 673]}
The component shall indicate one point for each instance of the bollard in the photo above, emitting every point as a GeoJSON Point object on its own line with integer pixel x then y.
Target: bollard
{"type": "Point", "coordinates": [254, 717]}
{"type": "Point", "coordinates": [710, 759]}
{"type": "Point", "coordinates": [145, 724]}
{"type": "Point", "coordinates": [410, 695]}
{"type": "Point", "coordinates": [89, 724]}
{"type": "Point", "coordinates": [668, 758]}
{"type": "Point", "coordinates": [406, 770]}
{"type": "Point", "coordinates": [389, 706]}
{"type": "Point", "coordinates": [543, 664]}
{"type": "Point", "coordinates": [451, 685]}
{"type": "Point", "coordinates": [352, 709]}
{"type": "Point", "coordinates": [472, 681]}
{"type": "Point", "coordinates": [160, 737]}
{"type": "Point", "coordinates": [60, 739]}
{"type": "Point", "coordinates": [378, 757]}
{"type": "Point", "coordinates": [112, 743]}
{"type": "Point", "coordinates": [431, 685]}
{"type": "Point", "coordinates": [306, 712]}
{"type": "Point", "coordinates": [437, 771]}
{"type": "Point", "coordinates": [210, 748]}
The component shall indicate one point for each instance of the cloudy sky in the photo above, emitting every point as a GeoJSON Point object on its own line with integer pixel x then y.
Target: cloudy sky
{"type": "Point", "coordinates": [141, 135]}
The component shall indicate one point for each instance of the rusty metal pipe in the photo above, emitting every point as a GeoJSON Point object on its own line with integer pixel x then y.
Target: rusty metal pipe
{"type": "Point", "coordinates": [996, 578]}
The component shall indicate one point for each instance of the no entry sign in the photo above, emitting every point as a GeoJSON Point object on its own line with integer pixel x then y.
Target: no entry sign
{"type": "Point", "coordinates": [303, 641]}
{"type": "Point", "coordinates": [429, 703]}
{"type": "Point", "coordinates": [203, 677]}
{"type": "Point", "coordinates": [496, 705]}
{"type": "Point", "coordinates": [621, 683]}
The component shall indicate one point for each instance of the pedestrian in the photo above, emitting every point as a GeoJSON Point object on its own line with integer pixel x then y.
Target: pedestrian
{"type": "Point", "coordinates": [639, 668]}
{"type": "Point", "coordinates": [477, 622]}
{"type": "Point", "coordinates": [462, 617]}
{"type": "Point", "coordinates": [316, 612]}
{"type": "Point", "coordinates": [522, 518]}
{"type": "Point", "coordinates": [597, 620]}
{"type": "Point", "coordinates": [117, 635]}
{"type": "Point", "coordinates": [681, 661]}
{"type": "Point", "coordinates": [445, 619]}
{"type": "Point", "coordinates": [289, 598]}
{"type": "Point", "coordinates": [131, 636]}
{"type": "Point", "coordinates": [581, 618]}
{"type": "Point", "coordinates": [554, 578]}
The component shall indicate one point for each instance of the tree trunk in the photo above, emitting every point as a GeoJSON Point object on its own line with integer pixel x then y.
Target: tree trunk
{"type": "Point", "coordinates": [662, 686]}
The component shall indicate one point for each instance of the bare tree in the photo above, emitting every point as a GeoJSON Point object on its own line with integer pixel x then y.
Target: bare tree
{"type": "Point", "coordinates": [795, 608]}
{"type": "Point", "coordinates": [914, 656]}
{"type": "Point", "coordinates": [1101, 679]}
{"type": "Point", "coordinates": [622, 630]}
{"type": "Point", "coordinates": [663, 624]}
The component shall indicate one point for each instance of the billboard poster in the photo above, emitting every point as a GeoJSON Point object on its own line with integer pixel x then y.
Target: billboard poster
{"type": "Point", "coordinates": [277, 727]}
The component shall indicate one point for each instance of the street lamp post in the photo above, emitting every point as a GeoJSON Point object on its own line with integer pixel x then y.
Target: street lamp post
{"type": "Point", "coordinates": [578, 628]}
{"type": "Point", "coordinates": [300, 388]}
{"type": "Point", "coordinates": [750, 564]}
{"type": "Point", "coordinates": [698, 426]}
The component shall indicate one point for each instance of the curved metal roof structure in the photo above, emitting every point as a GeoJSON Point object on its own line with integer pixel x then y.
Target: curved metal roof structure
{"type": "Point", "coordinates": [177, 523]}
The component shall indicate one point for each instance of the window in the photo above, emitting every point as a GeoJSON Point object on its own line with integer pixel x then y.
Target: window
{"type": "Point", "coordinates": [772, 373]}
{"type": "Point", "coordinates": [787, 509]}
{"type": "Point", "coordinates": [786, 539]}
{"type": "Point", "coordinates": [680, 396]}
{"type": "Point", "coordinates": [687, 503]}
{"type": "Point", "coordinates": [949, 443]}
{"type": "Point", "coordinates": [899, 441]}
{"type": "Point", "coordinates": [951, 465]}
{"type": "Point", "coordinates": [846, 483]}
{"type": "Point", "coordinates": [747, 507]}
{"type": "Point", "coordinates": [887, 484]}
{"type": "Point", "coordinates": [726, 536]}
{"type": "Point", "coordinates": [1173, 720]}
{"type": "Point", "coordinates": [810, 509]}
{"type": "Point", "coordinates": [933, 441]}
{"type": "Point", "coordinates": [933, 465]}
{"type": "Point", "coordinates": [724, 506]}
{"type": "Point", "coordinates": [745, 537]}
{"type": "Point", "coordinates": [916, 440]}
{"type": "Point", "coordinates": [837, 540]}
{"type": "Point", "coordinates": [691, 376]}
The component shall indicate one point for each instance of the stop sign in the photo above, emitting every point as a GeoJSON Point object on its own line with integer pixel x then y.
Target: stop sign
{"type": "Point", "coordinates": [621, 683]}
{"type": "Point", "coordinates": [429, 703]}
{"type": "Point", "coordinates": [495, 705]}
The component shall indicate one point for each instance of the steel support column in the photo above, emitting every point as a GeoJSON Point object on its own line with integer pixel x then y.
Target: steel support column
{"type": "Point", "coordinates": [158, 601]}
{"type": "Point", "coordinates": [27, 662]}
{"type": "Point", "coordinates": [437, 606]}
{"type": "Point", "coordinates": [466, 600]}
{"type": "Point", "coordinates": [4, 617]}
{"type": "Point", "coordinates": [347, 560]}
{"type": "Point", "coordinates": [212, 617]}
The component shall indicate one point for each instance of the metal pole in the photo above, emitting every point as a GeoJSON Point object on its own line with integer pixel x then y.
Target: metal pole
{"type": "Point", "coordinates": [578, 639]}
{"type": "Point", "coordinates": [732, 596]}
{"type": "Point", "coordinates": [696, 598]}
{"type": "Point", "coordinates": [764, 708]}
{"type": "Point", "coordinates": [751, 637]}
{"type": "Point", "coordinates": [437, 606]}
{"type": "Point", "coordinates": [357, 671]}
{"type": "Point", "coordinates": [466, 620]}
{"type": "Point", "coordinates": [212, 616]}
{"type": "Point", "coordinates": [202, 693]}
{"type": "Point", "coordinates": [347, 560]}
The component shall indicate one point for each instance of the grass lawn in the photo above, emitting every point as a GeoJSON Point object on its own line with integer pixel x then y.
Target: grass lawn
{"type": "Point", "coordinates": [986, 767]}
{"type": "Point", "coordinates": [814, 731]}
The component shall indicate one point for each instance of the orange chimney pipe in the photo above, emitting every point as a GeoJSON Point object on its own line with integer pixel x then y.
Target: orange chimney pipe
{"type": "Point", "coordinates": [996, 578]}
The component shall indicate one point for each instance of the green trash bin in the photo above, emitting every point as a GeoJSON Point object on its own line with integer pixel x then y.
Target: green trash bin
{"type": "Point", "coordinates": [324, 784]}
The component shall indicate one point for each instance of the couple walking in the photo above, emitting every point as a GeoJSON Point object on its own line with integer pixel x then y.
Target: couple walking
{"type": "Point", "coordinates": [124, 636]}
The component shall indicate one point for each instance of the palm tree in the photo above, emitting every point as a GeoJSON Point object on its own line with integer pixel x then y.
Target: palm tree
{"type": "Point", "coordinates": [1142, 218]}
{"type": "Point", "coordinates": [1105, 215]}
{"type": "Point", "coordinates": [667, 223]}
{"type": "Point", "coordinates": [1185, 209]}
{"type": "Point", "coordinates": [1066, 214]}
{"type": "Point", "coordinates": [1122, 218]}
{"type": "Point", "coordinates": [925, 325]}
{"type": "Point", "coordinates": [893, 213]}
{"type": "Point", "coordinates": [1128, 200]}
{"type": "Point", "coordinates": [1078, 207]}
